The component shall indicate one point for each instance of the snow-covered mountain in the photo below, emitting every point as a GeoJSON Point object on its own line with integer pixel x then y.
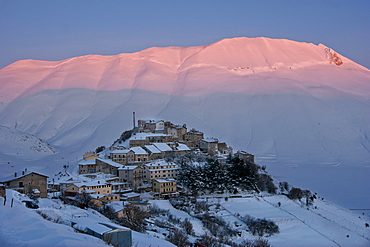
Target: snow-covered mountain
{"type": "Point", "coordinates": [296, 106]}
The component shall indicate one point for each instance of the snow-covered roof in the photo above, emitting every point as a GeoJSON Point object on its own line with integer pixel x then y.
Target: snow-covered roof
{"type": "Point", "coordinates": [144, 136]}
{"type": "Point", "coordinates": [119, 183]}
{"type": "Point", "coordinates": [243, 152]}
{"type": "Point", "coordinates": [87, 162]}
{"type": "Point", "coordinates": [111, 162]}
{"type": "Point", "coordinates": [130, 195]}
{"type": "Point", "coordinates": [159, 162]}
{"type": "Point", "coordinates": [210, 140]}
{"type": "Point", "coordinates": [120, 151]}
{"type": "Point", "coordinates": [150, 121]}
{"type": "Point", "coordinates": [162, 180]}
{"type": "Point", "coordinates": [152, 149]}
{"type": "Point", "coordinates": [163, 147]}
{"type": "Point", "coordinates": [95, 227]}
{"type": "Point", "coordinates": [138, 150]}
{"type": "Point", "coordinates": [117, 206]}
{"type": "Point", "coordinates": [182, 147]}
{"type": "Point", "coordinates": [91, 183]}
{"type": "Point", "coordinates": [20, 174]}
{"type": "Point", "coordinates": [128, 168]}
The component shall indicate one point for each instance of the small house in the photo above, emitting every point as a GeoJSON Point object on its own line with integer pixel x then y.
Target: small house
{"type": "Point", "coordinates": [27, 182]}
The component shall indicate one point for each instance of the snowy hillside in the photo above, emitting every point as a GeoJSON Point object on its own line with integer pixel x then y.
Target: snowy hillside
{"type": "Point", "coordinates": [302, 109]}
{"type": "Point", "coordinates": [23, 145]}
{"type": "Point", "coordinates": [322, 224]}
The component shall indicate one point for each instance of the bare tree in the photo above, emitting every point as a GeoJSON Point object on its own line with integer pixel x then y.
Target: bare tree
{"type": "Point", "coordinates": [107, 211]}
{"type": "Point", "coordinates": [187, 226]}
{"type": "Point", "coordinates": [82, 200]}
{"type": "Point", "coordinates": [134, 218]}
{"type": "Point", "coordinates": [209, 241]}
{"type": "Point", "coordinates": [178, 238]}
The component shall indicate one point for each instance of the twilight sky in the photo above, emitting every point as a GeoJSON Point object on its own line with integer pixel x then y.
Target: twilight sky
{"type": "Point", "coordinates": [56, 30]}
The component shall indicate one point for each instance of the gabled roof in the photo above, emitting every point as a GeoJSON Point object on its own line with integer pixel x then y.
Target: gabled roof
{"type": "Point", "coordinates": [164, 180]}
{"type": "Point", "coordinates": [210, 140]}
{"type": "Point", "coordinates": [163, 147]}
{"type": "Point", "coordinates": [152, 149]}
{"type": "Point", "coordinates": [87, 162]}
{"type": "Point", "coordinates": [138, 150]}
{"type": "Point", "coordinates": [20, 174]}
{"type": "Point", "coordinates": [148, 121]}
{"type": "Point", "coordinates": [128, 168]}
{"type": "Point", "coordinates": [90, 183]}
{"type": "Point", "coordinates": [243, 152]}
{"type": "Point", "coordinates": [120, 151]}
{"type": "Point", "coordinates": [144, 136]}
{"type": "Point", "coordinates": [130, 195]}
{"type": "Point", "coordinates": [110, 162]}
{"type": "Point", "coordinates": [182, 147]}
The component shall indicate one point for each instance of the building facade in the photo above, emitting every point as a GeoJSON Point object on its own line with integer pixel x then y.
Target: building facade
{"type": "Point", "coordinates": [165, 188]}
{"type": "Point", "coordinates": [27, 182]}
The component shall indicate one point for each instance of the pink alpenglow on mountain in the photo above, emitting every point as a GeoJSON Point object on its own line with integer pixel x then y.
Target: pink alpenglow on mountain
{"type": "Point", "coordinates": [230, 65]}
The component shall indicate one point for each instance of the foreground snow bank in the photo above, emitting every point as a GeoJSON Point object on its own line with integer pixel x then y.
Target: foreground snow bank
{"type": "Point", "coordinates": [20, 226]}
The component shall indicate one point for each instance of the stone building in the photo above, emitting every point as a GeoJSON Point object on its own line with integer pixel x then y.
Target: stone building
{"type": "Point", "coordinates": [151, 125]}
{"type": "Point", "coordinates": [209, 145]}
{"type": "Point", "coordinates": [122, 156]}
{"type": "Point", "coordinates": [134, 175]}
{"type": "Point", "coordinates": [246, 157]}
{"type": "Point", "coordinates": [192, 138]}
{"type": "Point", "coordinates": [140, 154]}
{"type": "Point", "coordinates": [27, 182]}
{"type": "Point", "coordinates": [107, 166]}
{"type": "Point", "coordinates": [87, 166]}
{"type": "Point", "coordinates": [153, 152]}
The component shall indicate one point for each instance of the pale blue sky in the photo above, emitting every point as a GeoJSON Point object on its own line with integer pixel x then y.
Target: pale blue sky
{"type": "Point", "coordinates": [55, 30]}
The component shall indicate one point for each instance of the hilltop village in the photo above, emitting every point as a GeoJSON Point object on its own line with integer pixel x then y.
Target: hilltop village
{"type": "Point", "coordinates": [140, 161]}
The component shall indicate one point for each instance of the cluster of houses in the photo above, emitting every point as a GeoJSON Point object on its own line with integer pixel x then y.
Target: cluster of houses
{"type": "Point", "coordinates": [129, 167]}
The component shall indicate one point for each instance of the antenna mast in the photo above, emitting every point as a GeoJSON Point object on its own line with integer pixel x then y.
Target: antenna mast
{"type": "Point", "coordinates": [133, 118]}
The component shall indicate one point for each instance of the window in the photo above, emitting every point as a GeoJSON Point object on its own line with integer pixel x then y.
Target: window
{"type": "Point", "coordinates": [21, 184]}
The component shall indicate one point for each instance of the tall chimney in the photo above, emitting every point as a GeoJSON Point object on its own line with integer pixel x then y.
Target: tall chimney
{"type": "Point", "coordinates": [15, 174]}
{"type": "Point", "coordinates": [133, 119]}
